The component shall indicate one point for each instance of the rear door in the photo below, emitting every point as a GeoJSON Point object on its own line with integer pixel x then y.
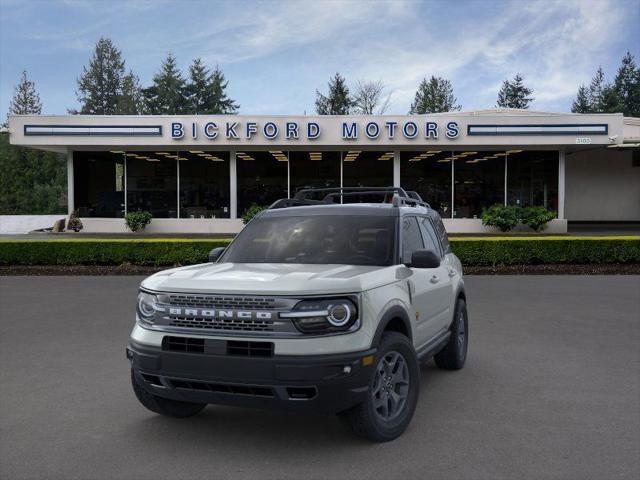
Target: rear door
{"type": "Point", "coordinates": [425, 284]}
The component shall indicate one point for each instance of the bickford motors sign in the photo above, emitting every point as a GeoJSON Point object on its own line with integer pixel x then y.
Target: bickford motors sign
{"type": "Point", "coordinates": [294, 130]}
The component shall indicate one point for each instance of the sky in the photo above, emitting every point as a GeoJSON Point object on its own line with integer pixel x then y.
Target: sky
{"type": "Point", "coordinates": [275, 54]}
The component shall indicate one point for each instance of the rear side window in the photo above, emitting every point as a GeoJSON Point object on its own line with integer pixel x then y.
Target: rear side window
{"type": "Point", "coordinates": [430, 238]}
{"type": "Point", "coordinates": [411, 238]}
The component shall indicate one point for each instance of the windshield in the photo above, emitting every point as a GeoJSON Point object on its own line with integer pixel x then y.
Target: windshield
{"type": "Point", "coordinates": [349, 240]}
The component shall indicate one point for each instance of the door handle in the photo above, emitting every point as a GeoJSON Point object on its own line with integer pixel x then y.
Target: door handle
{"type": "Point", "coordinates": [435, 279]}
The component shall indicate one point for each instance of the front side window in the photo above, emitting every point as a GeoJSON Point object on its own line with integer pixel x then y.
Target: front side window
{"type": "Point", "coordinates": [316, 239]}
{"type": "Point", "coordinates": [429, 235]}
{"type": "Point", "coordinates": [411, 238]}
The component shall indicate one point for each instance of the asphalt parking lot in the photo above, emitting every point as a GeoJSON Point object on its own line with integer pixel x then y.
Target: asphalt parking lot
{"type": "Point", "coordinates": [551, 390]}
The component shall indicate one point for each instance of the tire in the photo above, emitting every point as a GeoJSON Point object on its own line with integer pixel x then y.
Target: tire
{"type": "Point", "coordinates": [368, 419]}
{"type": "Point", "coordinates": [454, 354]}
{"type": "Point", "coordinates": [164, 406]}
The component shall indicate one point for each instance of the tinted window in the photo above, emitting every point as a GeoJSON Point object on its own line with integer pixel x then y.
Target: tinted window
{"type": "Point", "coordinates": [429, 235]}
{"type": "Point", "coordinates": [442, 233]}
{"type": "Point", "coordinates": [411, 238]}
{"type": "Point", "coordinates": [349, 240]}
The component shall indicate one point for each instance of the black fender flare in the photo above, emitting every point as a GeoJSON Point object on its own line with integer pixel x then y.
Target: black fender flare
{"type": "Point", "coordinates": [395, 311]}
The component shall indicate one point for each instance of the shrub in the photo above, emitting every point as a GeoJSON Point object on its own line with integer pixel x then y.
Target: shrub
{"type": "Point", "coordinates": [251, 212]}
{"type": "Point", "coordinates": [504, 218]}
{"type": "Point", "coordinates": [168, 252]}
{"type": "Point", "coordinates": [74, 223]}
{"type": "Point", "coordinates": [537, 217]}
{"type": "Point", "coordinates": [137, 220]}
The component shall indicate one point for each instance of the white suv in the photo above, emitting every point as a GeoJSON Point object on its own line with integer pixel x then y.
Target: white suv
{"type": "Point", "coordinates": [317, 305]}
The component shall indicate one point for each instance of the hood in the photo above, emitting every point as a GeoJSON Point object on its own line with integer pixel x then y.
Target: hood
{"type": "Point", "coordinates": [271, 278]}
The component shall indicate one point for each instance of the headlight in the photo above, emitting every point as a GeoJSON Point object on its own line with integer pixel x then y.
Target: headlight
{"type": "Point", "coordinates": [146, 306]}
{"type": "Point", "coordinates": [324, 316]}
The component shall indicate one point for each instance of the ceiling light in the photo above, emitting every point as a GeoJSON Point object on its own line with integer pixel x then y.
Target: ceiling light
{"type": "Point", "coordinates": [141, 157]}
{"type": "Point", "coordinates": [196, 151]}
{"type": "Point", "coordinates": [444, 160]}
{"type": "Point", "coordinates": [514, 151]}
{"type": "Point", "coordinates": [434, 151]}
{"type": "Point", "coordinates": [162, 153]}
{"type": "Point", "coordinates": [131, 154]}
{"type": "Point", "coordinates": [116, 151]}
{"type": "Point", "coordinates": [152, 160]}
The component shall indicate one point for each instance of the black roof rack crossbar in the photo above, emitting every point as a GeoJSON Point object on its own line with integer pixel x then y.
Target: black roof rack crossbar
{"type": "Point", "coordinates": [302, 194]}
{"type": "Point", "coordinates": [399, 196]}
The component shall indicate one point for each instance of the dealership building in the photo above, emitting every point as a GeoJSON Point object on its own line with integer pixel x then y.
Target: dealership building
{"type": "Point", "coordinates": [201, 173]}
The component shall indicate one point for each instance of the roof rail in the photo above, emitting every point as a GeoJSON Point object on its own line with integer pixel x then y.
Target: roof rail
{"type": "Point", "coordinates": [399, 196]}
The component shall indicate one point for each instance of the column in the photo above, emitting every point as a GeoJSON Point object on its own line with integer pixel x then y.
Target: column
{"type": "Point", "coordinates": [396, 168]}
{"type": "Point", "coordinates": [233, 185]}
{"type": "Point", "coordinates": [561, 176]}
{"type": "Point", "coordinates": [70, 184]}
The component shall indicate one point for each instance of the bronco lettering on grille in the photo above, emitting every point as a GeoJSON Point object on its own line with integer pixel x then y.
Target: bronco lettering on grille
{"type": "Point", "coordinates": [209, 313]}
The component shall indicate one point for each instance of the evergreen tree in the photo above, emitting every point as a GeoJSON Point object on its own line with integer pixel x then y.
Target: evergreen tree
{"type": "Point", "coordinates": [31, 181]}
{"type": "Point", "coordinates": [25, 99]}
{"type": "Point", "coordinates": [596, 91]}
{"type": "Point", "coordinates": [627, 86]}
{"type": "Point", "coordinates": [338, 101]}
{"type": "Point", "coordinates": [206, 91]}
{"type": "Point", "coordinates": [219, 102]}
{"type": "Point", "coordinates": [100, 85]}
{"type": "Point", "coordinates": [581, 104]}
{"type": "Point", "coordinates": [433, 96]}
{"type": "Point", "coordinates": [130, 101]}
{"type": "Point", "coordinates": [514, 94]}
{"type": "Point", "coordinates": [167, 95]}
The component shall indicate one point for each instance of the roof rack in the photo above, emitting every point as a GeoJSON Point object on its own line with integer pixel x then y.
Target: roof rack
{"type": "Point", "coordinates": [399, 196]}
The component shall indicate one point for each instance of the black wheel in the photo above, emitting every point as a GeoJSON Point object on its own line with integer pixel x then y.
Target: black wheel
{"type": "Point", "coordinates": [393, 392]}
{"type": "Point", "coordinates": [164, 406]}
{"type": "Point", "coordinates": [454, 354]}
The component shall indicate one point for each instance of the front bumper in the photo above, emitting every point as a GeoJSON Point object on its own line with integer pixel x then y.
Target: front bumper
{"type": "Point", "coordinates": [316, 383]}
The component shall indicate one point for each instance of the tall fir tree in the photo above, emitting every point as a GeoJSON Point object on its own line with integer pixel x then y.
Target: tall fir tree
{"type": "Point", "coordinates": [130, 101]}
{"type": "Point", "coordinates": [219, 102]}
{"type": "Point", "coordinates": [514, 94]}
{"type": "Point", "coordinates": [167, 94]}
{"type": "Point", "coordinates": [31, 181]}
{"type": "Point", "coordinates": [581, 104]}
{"type": "Point", "coordinates": [433, 96]}
{"type": "Point", "coordinates": [206, 92]}
{"type": "Point", "coordinates": [596, 91]}
{"type": "Point", "coordinates": [338, 101]}
{"type": "Point", "coordinates": [25, 99]}
{"type": "Point", "coordinates": [627, 86]}
{"type": "Point", "coordinates": [100, 85]}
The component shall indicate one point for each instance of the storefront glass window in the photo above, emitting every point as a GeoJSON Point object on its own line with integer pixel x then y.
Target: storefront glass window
{"type": "Point", "coordinates": [152, 183]}
{"type": "Point", "coordinates": [478, 182]}
{"type": "Point", "coordinates": [204, 184]}
{"type": "Point", "coordinates": [532, 179]}
{"type": "Point", "coordinates": [367, 169]}
{"type": "Point", "coordinates": [314, 169]}
{"type": "Point", "coordinates": [428, 172]}
{"type": "Point", "coordinates": [262, 178]}
{"type": "Point", "coordinates": [99, 184]}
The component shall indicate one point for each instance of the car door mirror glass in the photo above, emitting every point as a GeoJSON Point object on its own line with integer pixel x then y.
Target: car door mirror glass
{"type": "Point", "coordinates": [424, 259]}
{"type": "Point", "coordinates": [214, 254]}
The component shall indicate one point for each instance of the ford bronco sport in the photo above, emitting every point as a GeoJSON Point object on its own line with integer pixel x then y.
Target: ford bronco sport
{"type": "Point", "coordinates": [321, 305]}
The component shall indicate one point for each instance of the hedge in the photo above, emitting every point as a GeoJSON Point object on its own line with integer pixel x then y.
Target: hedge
{"type": "Point", "coordinates": [164, 252]}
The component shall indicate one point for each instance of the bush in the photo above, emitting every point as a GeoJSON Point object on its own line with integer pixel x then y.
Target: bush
{"type": "Point", "coordinates": [504, 218]}
{"type": "Point", "coordinates": [74, 223]}
{"type": "Point", "coordinates": [251, 212]}
{"type": "Point", "coordinates": [137, 220]}
{"type": "Point", "coordinates": [74, 251]}
{"type": "Point", "coordinates": [168, 252]}
{"type": "Point", "coordinates": [507, 217]}
{"type": "Point", "coordinates": [537, 217]}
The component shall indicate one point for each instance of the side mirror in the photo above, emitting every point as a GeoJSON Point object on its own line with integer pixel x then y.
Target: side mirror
{"type": "Point", "coordinates": [214, 254]}
{"type": "Point", "coordinates": [425, 259]}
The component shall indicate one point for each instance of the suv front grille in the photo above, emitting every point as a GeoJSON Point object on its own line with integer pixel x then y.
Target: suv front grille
{"type": "Point", "coordinates": [223, 302]}
{"type": "Point", "coordinates": [254, 390]}
{"type": "Point", "coordinates": [250, 349]}
{"type": "Point", "coordinates": [225, 324]}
